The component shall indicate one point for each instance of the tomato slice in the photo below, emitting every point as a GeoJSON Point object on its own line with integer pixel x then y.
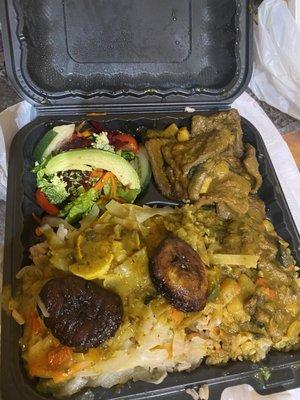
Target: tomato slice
{"type": "Point", "coordinates": [124, 142]}
{"type": "Point", "coordinates": [45, 204]}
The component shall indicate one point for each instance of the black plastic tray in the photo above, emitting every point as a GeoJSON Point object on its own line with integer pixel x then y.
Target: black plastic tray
{"type": "Point", "coordinates": [19, 236]}
{"type": "Point", "coordinates": [108, 53]}
{"type": "Point", "coordinates": [68, 57]}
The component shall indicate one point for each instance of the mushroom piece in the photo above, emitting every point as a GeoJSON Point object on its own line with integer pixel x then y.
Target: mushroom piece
{"type": "Point", "coordinates": [80, 313]}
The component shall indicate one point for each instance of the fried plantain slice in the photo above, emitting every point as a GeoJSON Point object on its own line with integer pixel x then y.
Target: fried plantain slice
{"type": "Point", "coordinates": [179, 275]}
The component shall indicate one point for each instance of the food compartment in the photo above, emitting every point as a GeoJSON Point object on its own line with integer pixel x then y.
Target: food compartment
{"type": "Point", "coordinates": [20, 236]}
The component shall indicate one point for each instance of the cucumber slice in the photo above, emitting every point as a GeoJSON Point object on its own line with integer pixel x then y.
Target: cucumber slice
{"type": "Point", "coordinates": [53, 140]}
{"type": "Point", "coordinates": [144, 169]}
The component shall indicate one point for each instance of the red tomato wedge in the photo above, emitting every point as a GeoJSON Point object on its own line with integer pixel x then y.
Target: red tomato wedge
{"type": "Point", "coordinates": [45, 204]}
{"type": "Point", "coordinates": [124, 142]}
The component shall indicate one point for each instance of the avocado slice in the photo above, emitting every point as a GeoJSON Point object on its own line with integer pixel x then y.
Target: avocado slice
{"type": "Point", "coordinates": [53, 140]}
{"type": "Point", "coordinates": [89, 159]}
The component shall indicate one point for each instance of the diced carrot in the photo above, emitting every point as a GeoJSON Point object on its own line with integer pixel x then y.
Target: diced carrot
{"type": "Point", "coordinates": [192, 335]}
{"type": "Point", "coordinates": [36, 325]}
{"type": "Point", "coordinates": [85, 133]}
{"type": "Point", "coordinates": [176, 315]}
{"type": "Point", "coordinates": [119, 200]}
{"type": "Point", "coordinates": [96, 173]}
{"type": "Point", "coordinates": [169, 348]}
{"type": "Point", "coordinates": [267, 291]}
{"type": "Point", "coordinates": [59, 356]}
{"type": "Point", "coordinates": [34, 322]}
{"type": "Point", "coordinates": [102, 200]}
{"type": "Point", "coordinates": [113, 191]}
{"type": "Point", "coordinates": [51, 363]}
{"type": "Point", "coordinates": [261, 282]}
{"type": "Point", "coordinates": [38, 231]}
{"type": "Point", "coordinates": [216, 330]}
{"type": "Point", "coordinates": [102, 181]}
{"type": "Point", "coordinates": [270, 293]}
{"type": "Point", "coordinates": [39, 369]}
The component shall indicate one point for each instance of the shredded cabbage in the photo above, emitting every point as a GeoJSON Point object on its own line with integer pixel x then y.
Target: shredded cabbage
{"type": "Point", "coordinates": [154, 338]}
{"type": "Point", "coordinates": [249, 261]}
{"type": "Point", "coordinates": [141, 214]}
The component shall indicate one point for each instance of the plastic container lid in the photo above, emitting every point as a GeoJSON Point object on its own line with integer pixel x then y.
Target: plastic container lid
{"type": "Point", "coordinates": [127, 53]}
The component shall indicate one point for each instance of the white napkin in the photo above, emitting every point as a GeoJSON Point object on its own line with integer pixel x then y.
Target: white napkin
{"type": "Point", "coordinates": [276, 66]}
{"type": "Point", "coordinates": [11, 121]}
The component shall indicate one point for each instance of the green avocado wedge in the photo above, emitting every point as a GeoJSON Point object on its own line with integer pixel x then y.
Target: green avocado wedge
{"type": "Point", "coordinates": [89, 159]}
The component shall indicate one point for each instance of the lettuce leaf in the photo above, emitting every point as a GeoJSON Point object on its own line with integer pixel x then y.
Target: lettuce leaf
{"type": "Point", "coordinates": [79, 207]}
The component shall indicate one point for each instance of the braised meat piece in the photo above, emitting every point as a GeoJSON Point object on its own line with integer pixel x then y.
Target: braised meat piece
{"type": "Point", "coordinates": [231, 120]}
{"type": "Point", "coordinates": [153, 147]}
{"type": "Point", "coordinates": [251, 165]}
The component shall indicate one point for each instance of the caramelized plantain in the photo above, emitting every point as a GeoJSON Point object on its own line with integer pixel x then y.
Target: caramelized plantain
{"type": "Point", "coordinates": [179, 275]}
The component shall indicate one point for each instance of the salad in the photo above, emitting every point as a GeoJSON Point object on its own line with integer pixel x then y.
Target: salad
{"type": "Point", "coordinates": [80, 165]}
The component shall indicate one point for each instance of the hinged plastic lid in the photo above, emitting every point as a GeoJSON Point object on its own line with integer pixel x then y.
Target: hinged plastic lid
{"type": "Point", "coordinates": [127, 53]}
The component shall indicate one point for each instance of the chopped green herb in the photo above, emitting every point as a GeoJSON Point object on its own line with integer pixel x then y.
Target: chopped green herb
{"type": "Point", "coordinates": [39, 166]}
{"type": "Point", "coordinates": [264, 374]}
{"type": "Point", "coordinates": [128, 155]}
{"type": "Point", "coordinates": [214, 292]}
{"type": "Point", "coordinates": [90, 234]}
{"type": "Point", "coordinates": [260, 324]}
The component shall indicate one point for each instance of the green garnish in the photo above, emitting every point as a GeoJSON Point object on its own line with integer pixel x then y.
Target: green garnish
{"type": "Point", "coordinates": [264, 374]}
{"type": "Point", "coordinates": [214, 292]}
{"type": "Point", "coordinates": [128, 155]}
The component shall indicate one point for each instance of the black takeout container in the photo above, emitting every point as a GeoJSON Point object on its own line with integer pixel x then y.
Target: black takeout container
{"type": "Point", "coordinates": [140, 63]}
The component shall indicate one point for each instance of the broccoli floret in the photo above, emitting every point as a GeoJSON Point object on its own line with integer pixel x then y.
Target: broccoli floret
{"type": "Point", "coordinates": [128, 155]}
{"type": "Point", "coordinates": [54, 189]}
{"type": "Point", "coordinates": [102, 142]}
